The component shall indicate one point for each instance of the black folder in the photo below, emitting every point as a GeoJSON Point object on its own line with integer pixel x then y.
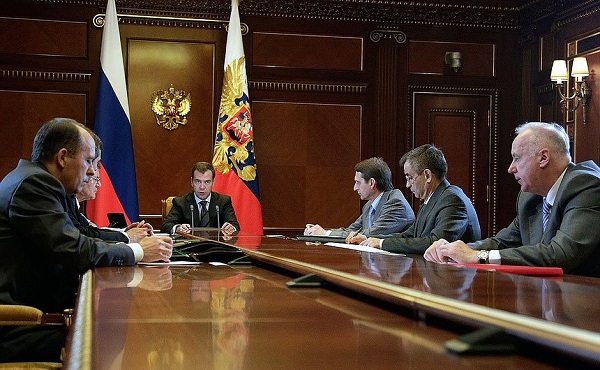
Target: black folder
{"type": "Point", "coordinates": [205, 251]}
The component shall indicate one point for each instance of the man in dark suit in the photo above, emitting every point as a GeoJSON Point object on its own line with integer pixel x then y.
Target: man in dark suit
{"type": "Point", "coordinates": [558, 210]}
{"type": "Point", "coordinates": [447, 213]}
{"type": "Point", "coordinates": [210, 209]}
{"type": "Point", "coordinates": [42, 254]}
{"type": "Point", "coordinates": [386, 211]}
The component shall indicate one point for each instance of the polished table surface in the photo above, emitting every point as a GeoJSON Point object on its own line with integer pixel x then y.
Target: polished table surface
{"type": "Point", "coordinates": [373, 311]}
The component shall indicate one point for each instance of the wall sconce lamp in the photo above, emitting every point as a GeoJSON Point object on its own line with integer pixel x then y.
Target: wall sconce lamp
{"type": "Point", "coordinates": [581, 93]}
{"type": "Point", "coordinates": [454, 60]}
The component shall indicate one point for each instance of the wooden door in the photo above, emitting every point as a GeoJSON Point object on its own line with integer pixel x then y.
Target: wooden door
{"type": "Point", "coordinates": [462, 124]}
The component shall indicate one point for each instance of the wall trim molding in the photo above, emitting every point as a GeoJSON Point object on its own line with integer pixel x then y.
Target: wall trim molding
{"type": "Point", "coordinates": [436, 13]}
{"type": "Point", "coordinates": [21, 74]}
{"type": "Point", "coordinates": [308, 87]}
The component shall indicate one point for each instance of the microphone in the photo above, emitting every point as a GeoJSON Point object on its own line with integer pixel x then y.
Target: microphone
{"type": "Point", "coordinates": [218, 220]}
{"type": "Point", "coordinates": [192, 210]}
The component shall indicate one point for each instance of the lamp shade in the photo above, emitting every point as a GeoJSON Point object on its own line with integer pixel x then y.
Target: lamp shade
{"type": "Point", "coordinates": [559, 71]}
{"type": "Point", "coordinates": [580, 68]}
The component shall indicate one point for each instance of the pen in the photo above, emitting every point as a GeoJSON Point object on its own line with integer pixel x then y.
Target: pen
{"type": "Point", "coordinates": [351, 235]}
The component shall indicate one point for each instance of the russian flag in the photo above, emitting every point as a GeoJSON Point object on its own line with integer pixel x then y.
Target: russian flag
{"type": "Point", "coordinates": [234, 161]}
{"type": "Point", "coordinates": [118, 193]}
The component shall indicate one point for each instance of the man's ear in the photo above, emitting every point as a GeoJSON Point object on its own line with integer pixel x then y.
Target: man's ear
{"type": "Point", "coordinates": [61, 158]}
{"type": "Point", "coordinates": [427, 174]}
{"type": "Point", "coordinates": [544, 157]}
{"type": "Point", "coordinates": [372, 183]}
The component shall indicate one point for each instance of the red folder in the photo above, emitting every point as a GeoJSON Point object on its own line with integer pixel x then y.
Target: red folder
{"type": "Point", "coordinates": [512, 269]}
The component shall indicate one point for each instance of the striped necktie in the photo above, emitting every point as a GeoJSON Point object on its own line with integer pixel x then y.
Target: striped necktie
{"type": "Point", "coordinates": [203, 214]}
{"type": "Point", "coordinates": [546, 208]}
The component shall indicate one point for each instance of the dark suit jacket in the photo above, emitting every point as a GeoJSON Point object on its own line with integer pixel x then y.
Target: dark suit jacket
{"type": "Point", "coordinates": [572, 236]}
{"type": "Point", "coordinates": [42, 253]}
{"type": "Point", "coordinates": [448, 215]}
{"type": "Point", "coordinates": [181, 214]}
{"type": "Point", "coordinates": [393, 214]}
{"type": "Point", "coordinates": [84, 226]}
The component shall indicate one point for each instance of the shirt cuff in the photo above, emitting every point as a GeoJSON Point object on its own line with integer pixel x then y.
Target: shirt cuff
{"type": "Point", "coordinates": [494, 257]}
{"type": "Point", "coordinates": [138, 252]}
{"type": "Point", "coordinates": [174, 228]}
{"type": "Point", "coordinates": [138, 276]}
{"type": "Point", "coordinates": [126, 235]}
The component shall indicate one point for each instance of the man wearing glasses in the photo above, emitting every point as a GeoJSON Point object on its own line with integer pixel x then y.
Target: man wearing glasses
{"type": "Point", "coordinates": [446, 212]}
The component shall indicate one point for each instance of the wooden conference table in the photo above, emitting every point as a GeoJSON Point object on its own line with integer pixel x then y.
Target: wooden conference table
{"type": "Point", "coordinates": [288, 304]}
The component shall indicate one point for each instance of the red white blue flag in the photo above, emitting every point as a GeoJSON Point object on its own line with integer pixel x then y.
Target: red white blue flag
{"type": "Point", "coordinates": [234, 161]}
{"type": "Point", "coordinates": [118, 192]}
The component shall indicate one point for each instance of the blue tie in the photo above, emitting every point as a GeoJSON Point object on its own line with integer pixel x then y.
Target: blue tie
{"type": "Point", "coordinates": [371, 214]}
{"type": "Point", "coordinates": [546, 207]}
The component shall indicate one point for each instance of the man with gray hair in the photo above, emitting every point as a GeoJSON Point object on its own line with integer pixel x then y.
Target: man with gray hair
{"type": "Point", "coordinates": [558, 209]}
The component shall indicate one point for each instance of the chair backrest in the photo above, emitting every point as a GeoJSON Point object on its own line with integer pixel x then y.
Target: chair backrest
{"type": "Point", "coordinates": [27, 315]}
{"type": "Point", "coordinates": [167, 204]}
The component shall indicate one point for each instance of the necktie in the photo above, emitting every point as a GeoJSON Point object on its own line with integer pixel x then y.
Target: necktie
{"type": "Point", "coordinates": [371, 214]}
{"type": "Point", "coordinates": [546, 208]}
{"type": "Point", "coordinates": [203, 214]}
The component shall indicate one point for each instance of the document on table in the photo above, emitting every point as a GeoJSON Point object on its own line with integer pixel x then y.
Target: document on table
{"type": "Point", "coordinates": [362, 248]}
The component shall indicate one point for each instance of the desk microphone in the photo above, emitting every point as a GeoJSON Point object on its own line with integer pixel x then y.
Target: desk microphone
{"type": "Point", "coordinates": [192, 210]}
{"type": "Point", "coordinates": [218, 220]}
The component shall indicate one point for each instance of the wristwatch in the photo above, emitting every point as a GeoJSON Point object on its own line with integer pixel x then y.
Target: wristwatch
{"type": "Point", "coordinates": [483, 256]}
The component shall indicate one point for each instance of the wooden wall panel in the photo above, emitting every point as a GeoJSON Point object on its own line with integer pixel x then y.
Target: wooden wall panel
{"type": "Point", "coordinates": [587, 136]}
{"type": "Point", "coordinates": [28, 111]}
{"type": "Point", "coordinates": [164, 158]}
{"type": "Point", "coordinates": [459, 124]}
{"type": "Point", "coordinates": [428, 57]}
{"type": "Point", "coordinates": [307, 51]}
{"type": "Point", "coordinates": [306, 155]}
{"type": "Point", "coordinates": [43, 37]}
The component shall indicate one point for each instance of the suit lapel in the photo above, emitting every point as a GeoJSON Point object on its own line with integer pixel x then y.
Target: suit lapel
{"type": "Point", "coordinates": [536, 229]}
{"type": "Point", "coordinates": [425, 209]}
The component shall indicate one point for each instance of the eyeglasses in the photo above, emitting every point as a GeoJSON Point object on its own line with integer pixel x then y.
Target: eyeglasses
{"type": "Point", "coordinates": [410, 179]}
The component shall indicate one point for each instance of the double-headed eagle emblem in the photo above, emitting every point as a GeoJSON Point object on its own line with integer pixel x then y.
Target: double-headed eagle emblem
{"type": "Point", "coordinates": [234, 146]}
{"type": "Point", "coordinates": [171, 107]}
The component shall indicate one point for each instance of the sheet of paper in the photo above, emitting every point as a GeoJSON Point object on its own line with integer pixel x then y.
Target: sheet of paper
{"type": "Point", "coordinates": [172, 263]}
{"type": "Point", "coordinates": [356, 247]}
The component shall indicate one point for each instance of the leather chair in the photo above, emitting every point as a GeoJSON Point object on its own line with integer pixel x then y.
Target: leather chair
{"type": "Point", "coordinates": [27, 315]}
{"type": "Point", "coordinates": [167, 204]}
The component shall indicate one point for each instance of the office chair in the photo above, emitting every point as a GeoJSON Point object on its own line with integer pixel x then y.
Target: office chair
{"type": "Point", "coordinates": [167, 204]}
{"type": "Point", "coordinates": [27, 315]}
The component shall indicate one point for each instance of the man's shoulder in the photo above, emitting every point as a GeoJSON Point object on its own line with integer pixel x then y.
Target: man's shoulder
{"type": "Point", "coordinates": [589, 168]}
{"type": "Point", "coordinates": [30, 174]}
{"type": "Point", "coordinates": [393, 194]}
{"type": "Point", "coordinates": [184, 198]}
{"type": "Point", "coordinates": [220, 197]}
{"type": "Point", "coordinates": [455, 191]}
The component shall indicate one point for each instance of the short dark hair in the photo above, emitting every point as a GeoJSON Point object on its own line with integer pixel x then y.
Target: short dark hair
{"type": "Point", "coordinates": [425, 157]}
{"type": "Point", "coordinates": [54, 135]}
{"type": "Point", "coordinates": [376, 168]}
{"type": "Point", "coordinates": [203, 167]}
